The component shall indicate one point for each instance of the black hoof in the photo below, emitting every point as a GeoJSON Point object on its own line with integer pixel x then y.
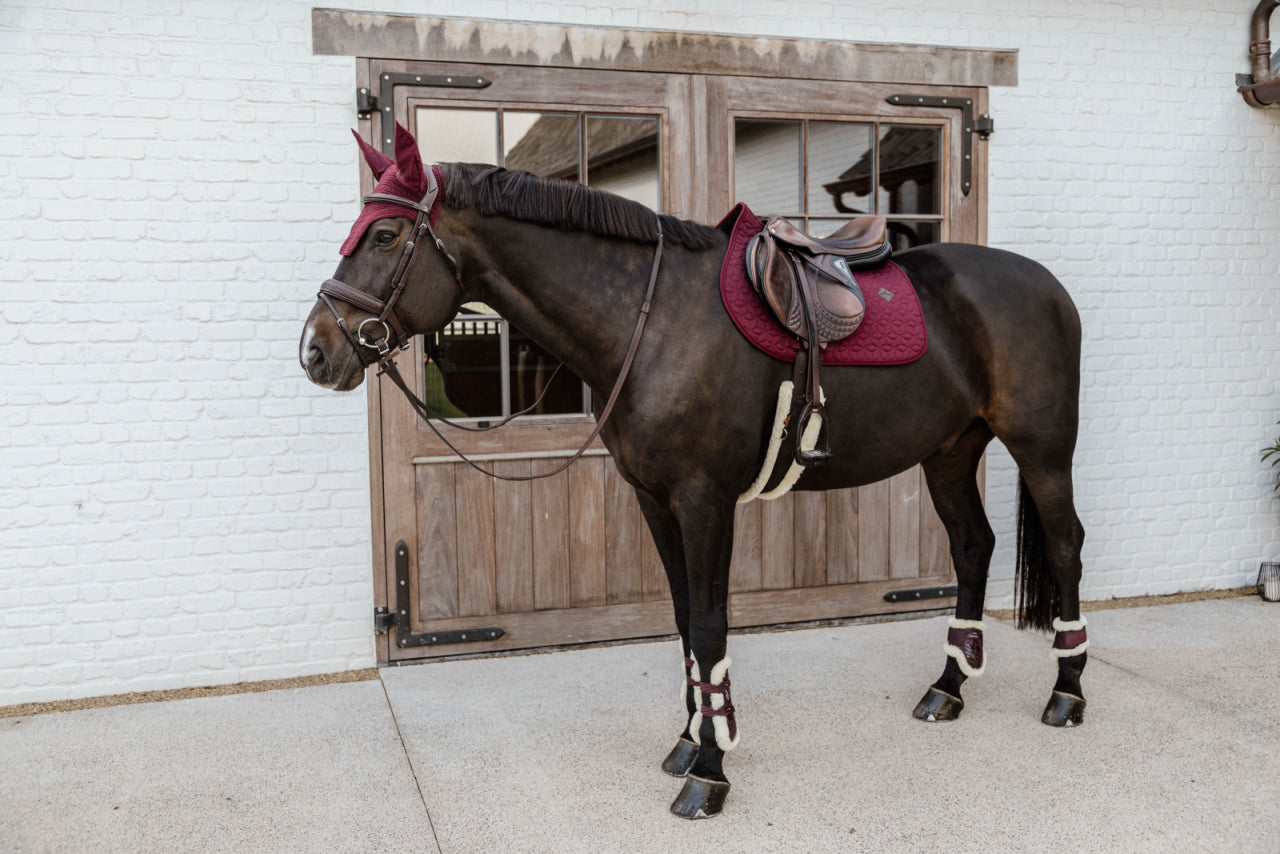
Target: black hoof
{"type": "Point", "coordinates": [938, 706]}
{"type": "Point", "coordinates": [680, 759]}
{"type": "Point", "coordinates": [700, 798]}
{"type": "Point", "coordinates": [1063, 710]}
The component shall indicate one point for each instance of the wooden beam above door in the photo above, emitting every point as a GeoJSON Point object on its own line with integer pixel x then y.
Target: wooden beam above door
{"type": "Point", "coordinates": [335, 32]}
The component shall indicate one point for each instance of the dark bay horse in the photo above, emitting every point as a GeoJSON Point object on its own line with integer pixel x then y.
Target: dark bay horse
{"type": "Point", "coordinates": [569, 266]}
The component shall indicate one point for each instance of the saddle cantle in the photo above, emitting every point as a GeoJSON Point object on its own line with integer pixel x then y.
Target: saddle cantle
{"type": "Point", "coordinates": [808, 284]}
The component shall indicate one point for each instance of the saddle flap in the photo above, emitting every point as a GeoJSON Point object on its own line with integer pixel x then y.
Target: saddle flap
{"type": "Point", "coordinates": [789, 281]}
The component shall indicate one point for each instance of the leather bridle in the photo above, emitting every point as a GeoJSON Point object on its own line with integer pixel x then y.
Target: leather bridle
{"type": "Point", "coordinates": [393, 337]}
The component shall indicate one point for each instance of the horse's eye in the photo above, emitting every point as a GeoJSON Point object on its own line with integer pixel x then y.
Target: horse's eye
{"type": "Point", "coordinates": [385, 237]}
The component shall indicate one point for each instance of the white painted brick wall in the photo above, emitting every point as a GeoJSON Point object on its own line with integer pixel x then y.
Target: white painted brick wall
{"type": "Point", "coordinates": [178, 506]}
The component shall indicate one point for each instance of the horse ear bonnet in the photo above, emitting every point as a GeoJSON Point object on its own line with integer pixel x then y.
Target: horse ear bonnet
{"type": "Point", "coordinates": [378, 162]}
{"type": "Point", "coordinates": [405, 176]}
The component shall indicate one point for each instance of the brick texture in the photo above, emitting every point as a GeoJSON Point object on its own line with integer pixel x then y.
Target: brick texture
{"type": "Point", "coordinates": [180, 507]}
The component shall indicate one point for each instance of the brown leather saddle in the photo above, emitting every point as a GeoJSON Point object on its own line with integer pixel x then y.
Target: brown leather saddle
{"type": "Point", "coordinates": [808, 284]}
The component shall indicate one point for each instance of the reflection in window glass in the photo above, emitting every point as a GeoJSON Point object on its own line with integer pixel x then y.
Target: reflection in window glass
{"type": "Point", "coordinates": [909, 170]}
{"type": "Point", "coordinates": [904, 234]}
{"type": "Point", "coordinates": [456, 136]}
{"type": "Point", "coordinates": [531, 370]}
{"type": "Point", "coordinates": [841, 157]}
{"type": "Point", "coordinates": [767, 166]}
{"type": "Point", "coordinates": [622, 157]}
{"type": "Point", "coordinates": [464, 368]}
{"type": "Point", "coordinates": [545, 144]}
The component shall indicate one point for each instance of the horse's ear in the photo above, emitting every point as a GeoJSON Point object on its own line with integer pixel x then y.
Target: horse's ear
{"type": "Point", "coordinates": [377, 161]}
{"type": "Point", "coordinates": [409, 159]}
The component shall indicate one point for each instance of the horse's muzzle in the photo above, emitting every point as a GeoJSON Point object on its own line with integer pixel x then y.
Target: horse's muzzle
{"type": "Point", "coordinates": [327, 366]}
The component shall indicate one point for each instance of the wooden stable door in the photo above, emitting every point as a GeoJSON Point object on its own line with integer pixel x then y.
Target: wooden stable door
{"type": "Point", "coordinates": [481, 565]}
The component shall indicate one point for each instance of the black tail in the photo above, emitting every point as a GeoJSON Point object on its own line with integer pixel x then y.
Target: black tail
{"type": "Point", "coordinates": [1037, 599]}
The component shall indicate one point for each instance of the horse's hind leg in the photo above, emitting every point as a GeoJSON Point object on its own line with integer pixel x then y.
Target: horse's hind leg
{"type": "Point", "coordinates": [666, 536]}
{"type": "Point", "coordinates": [1050, 537]}
{"type": "Point", "coordinates": [953, 486]}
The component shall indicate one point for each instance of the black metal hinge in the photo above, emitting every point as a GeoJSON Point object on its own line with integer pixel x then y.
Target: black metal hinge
{"type": "Point", "coordinates": [918, 593]}
{"type": "Point", "coordinates": [384, 620]}
{"type": "Point", "coordinates": [983, 126]}
{"type": "Point", "coordinates": [383, 103]}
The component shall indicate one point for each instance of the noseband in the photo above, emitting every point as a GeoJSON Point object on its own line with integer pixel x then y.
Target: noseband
{"type": "Point", "coordinates": [385, 321]}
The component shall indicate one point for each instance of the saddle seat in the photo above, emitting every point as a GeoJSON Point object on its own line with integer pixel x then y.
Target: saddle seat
{"type": "Point", "coordinates": [862, 240]}
{"type": "Point", "coordinates": [808, 284]}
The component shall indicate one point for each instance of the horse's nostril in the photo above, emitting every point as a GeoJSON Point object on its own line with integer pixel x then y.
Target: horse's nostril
{"type": "Point", "coordinates": [313, 359]}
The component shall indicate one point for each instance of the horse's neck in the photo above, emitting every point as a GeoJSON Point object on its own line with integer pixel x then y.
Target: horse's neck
{"type": "Point", "coordinates": [575, 294]}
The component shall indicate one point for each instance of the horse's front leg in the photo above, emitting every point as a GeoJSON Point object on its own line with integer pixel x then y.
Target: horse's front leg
{"type": "Point", "coordinates": [706, 525]}
{"type": "Point", "coordinates": [953, 486]}
{"type": "Point", "coordinates": [665, 528]}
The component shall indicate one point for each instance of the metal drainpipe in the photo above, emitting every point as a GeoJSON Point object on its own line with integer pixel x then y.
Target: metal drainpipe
{"type": "Point", "coordinates": [1264, 90]}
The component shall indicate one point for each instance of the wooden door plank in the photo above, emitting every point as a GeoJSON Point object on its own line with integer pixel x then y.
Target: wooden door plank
{"type": "Point", "coordinates": [935, 550]}
{"type": "Point", "coordinates": [437, 543]}
{"type": "Point", "coordinates": [744, 571]}
{"type": "Point", "coordinates": [842, 536]}
{"type": "Point", "coordinates": [654, 619]}
{"type": "Point", "coordinates": [904, 525]}
{"type": "Point", "coordinates": [622, 545]}
{"type": "Point", "coordinates": [771, 607]}
{"type": "Point", "coordinates": [551, 585]}
{"type": "Point", "coordinates": [810, 542]}
{"type": "Point", "coordinates": [586, 531]}
{"type": "Point", "coordinates": [513, 538]}
{"type": "Point", "coordinates": [873, 531]}
{"type": "Point", "coordinates": [777, 543]}
{"type": "Point", "coordinates": [476, 560]}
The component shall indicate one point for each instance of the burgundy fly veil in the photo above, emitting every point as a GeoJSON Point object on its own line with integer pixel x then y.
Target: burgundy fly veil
{"type": "Point", "coordinates": [404, 177]}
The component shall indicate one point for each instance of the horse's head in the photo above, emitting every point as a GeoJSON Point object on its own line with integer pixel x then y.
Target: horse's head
{"type": "Point", "coordinates": [395, 279]}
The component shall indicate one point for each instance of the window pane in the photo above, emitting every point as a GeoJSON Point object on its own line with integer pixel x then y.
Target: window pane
{"type": "Point", "coordinates": [545, 144]}
{"type": "Point", "coordinates": [767, 166]}
{"type": "Point", "coordinates": [531, 370]}
{"type": "Point", "coordinates": [464, 369]}
{"type": "Point", "coordinates": [456, 136]}
{"type": "Point", "coordinates": [622, 157]}
{"type": "Point", "coordinates": [909, 170]}
{"type": "Point", "coordinates": [840, 162]}
{"type": "Point", "coordinates": [904, 234]}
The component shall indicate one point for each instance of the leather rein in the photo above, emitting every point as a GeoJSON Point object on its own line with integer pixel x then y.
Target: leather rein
{"type": "Point", "coordinates": [387, 335]}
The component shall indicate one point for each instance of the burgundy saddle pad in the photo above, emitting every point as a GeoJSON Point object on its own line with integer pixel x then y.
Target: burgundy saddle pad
{"type": "Point", "coordinates": [892, 331]}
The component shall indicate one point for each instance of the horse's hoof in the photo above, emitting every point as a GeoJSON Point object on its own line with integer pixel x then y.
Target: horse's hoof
{"type": "Point", "coordinates": [680, 759]}
{"type": "Point", "coordinates": [700, 798]}
{"type": "Point", "coordinates": [938, 706]}
{"type": "Point", "coordinates": [1063, 710]}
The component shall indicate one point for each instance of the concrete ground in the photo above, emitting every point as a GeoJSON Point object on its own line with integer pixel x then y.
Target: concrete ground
{"type": "Point", "coordinates": [559, 753]}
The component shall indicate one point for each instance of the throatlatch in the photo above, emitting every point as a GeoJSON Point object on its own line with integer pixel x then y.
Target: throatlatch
{"type": "Point", "coordinates": [964, 644]}
{"type": "Point", "coordinates": [1070, 638]}
{"type": "Point", "coordinates": [721, 708]}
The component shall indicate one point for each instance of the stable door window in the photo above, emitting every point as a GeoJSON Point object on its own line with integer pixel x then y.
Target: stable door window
{"type": "Point", "coordinates": [480, 366]}
{"type": "Point", "coordinates": [818, 174]}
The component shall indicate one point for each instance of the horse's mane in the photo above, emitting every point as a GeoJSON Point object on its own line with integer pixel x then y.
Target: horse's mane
{"type": "Point", "coordinates": [564, 204]}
